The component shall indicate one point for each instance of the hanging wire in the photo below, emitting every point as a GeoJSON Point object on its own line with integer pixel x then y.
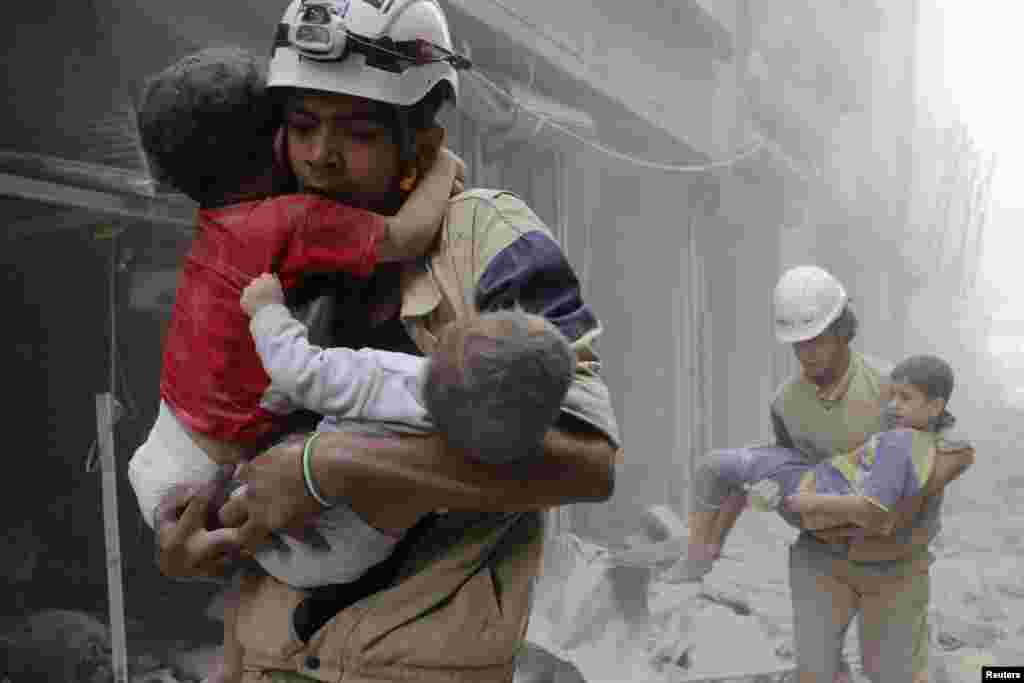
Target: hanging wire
{"type": "Point", "coordinates": [543, 120]}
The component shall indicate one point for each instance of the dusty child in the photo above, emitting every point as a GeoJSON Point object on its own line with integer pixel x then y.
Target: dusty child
{"type": "Point", "coordinates": [209, 127]}
{"type": "Point", "coordinates": [865, 487]}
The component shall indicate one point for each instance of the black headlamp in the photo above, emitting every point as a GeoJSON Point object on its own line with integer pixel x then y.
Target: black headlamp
{"type": "Point", "coordinates": [320, 34]}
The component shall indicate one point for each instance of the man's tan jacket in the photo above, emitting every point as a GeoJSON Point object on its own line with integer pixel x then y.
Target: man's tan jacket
{"type": "Point", "coordinates": [459, 609]}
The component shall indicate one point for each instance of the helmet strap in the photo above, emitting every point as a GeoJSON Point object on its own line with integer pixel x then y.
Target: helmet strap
{"type": "Point", "coordinates": [405, 136]}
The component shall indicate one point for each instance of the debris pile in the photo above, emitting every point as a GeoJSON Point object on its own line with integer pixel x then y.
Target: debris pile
{"type": "Point", "coordinates": [74, 647]}
{"type": "Point", "coordinates": [737, 624]}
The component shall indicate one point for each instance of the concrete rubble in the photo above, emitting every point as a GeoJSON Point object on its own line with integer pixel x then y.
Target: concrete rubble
{"type": "Point", "coordinates": [737, 624]}
{"type": "Point", "coordinates": [74, 647]}
{"type": "Point", "coordinates": [603, 616]}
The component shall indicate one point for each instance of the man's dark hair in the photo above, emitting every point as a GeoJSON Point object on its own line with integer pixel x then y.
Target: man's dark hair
{"type": "Point", "coordinates": [207, 123]}
{"type": "Point", "coordinates": [505, 392]}
{"type": "Point", "coordinates": [845, 326]}
{"type": "Point", "coordinates": [424, 113]}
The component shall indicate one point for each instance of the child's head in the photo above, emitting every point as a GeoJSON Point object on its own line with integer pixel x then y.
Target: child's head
{"type": "Point", "coordinates": [207, 123]}
{"type": "Point", "coordinates": [496, 383]}
{"type": "Point", "coordinates": [921, 387]}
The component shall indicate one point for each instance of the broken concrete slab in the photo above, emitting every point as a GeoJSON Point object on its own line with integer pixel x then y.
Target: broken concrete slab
{"type": "Point", "coordinates": [711, 655]}
{"type": "Point", "coordinates": [1003, 573]}
{"type": "Point", "coordinates": [60, 645]}
{"type": "Point", "coordinates": [196, 663]}
{"type": "Point", "coordinates": [158, 676]}
{"type": "Point", "coordinates": [662, 523]}
{"type": "Point", "coordinates": [953, 631]}
{"type": "Point", "coordinates": [962, 666]}
{"type": "Point", "coordinates": [536, 664]}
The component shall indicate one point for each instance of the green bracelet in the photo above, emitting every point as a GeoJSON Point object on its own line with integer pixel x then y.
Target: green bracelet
{"type": "Point", "coordinates": [307, 472]}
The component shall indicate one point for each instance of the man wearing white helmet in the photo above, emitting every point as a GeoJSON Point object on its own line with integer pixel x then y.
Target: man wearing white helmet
{"type": "Point", "coordinates": [835, 404]}
{"type": "Point", "coordinates": [361, 83]}
{"type": "Point", "coordinates": [831, 408]}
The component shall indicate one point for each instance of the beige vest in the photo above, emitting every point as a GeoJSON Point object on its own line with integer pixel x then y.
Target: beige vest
{"type": "Point", "coordinates": [452, 620]}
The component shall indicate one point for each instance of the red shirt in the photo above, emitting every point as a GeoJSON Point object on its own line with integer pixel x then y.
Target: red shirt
{"type": "Point", "coordinates": [212, 377]}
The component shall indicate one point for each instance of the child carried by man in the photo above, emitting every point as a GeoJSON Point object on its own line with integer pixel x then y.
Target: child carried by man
{"type": "Point", "coordinates": [866, 487]}
{"type": "Point", "coordinates": [237, 361]}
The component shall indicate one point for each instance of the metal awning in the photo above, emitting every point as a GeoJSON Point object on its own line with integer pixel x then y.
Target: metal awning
{"type": "Point", "coordinates": [99, 189]}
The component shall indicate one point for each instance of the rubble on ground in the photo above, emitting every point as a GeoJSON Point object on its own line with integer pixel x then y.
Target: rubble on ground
{"type": "Point", "coordinates": [74, 647]}
{"type": "Point", "coordinates": [603, 616]}
{"type": "Point", "coordinates": [737, 624]}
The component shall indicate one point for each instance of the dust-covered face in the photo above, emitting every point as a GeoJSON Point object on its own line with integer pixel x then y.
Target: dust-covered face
{"type": "Point", "coordinates": [910, 408]}
{"type": "Point", "coordinates": [344, 147]}
{"type": "Point", "coordinates": [822, 358]}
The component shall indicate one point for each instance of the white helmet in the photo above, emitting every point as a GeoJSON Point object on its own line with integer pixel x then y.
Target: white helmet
{"type": "Point", "coordinates": [392, 51]}
{"type": "Point", "coordinates": [807, 300]}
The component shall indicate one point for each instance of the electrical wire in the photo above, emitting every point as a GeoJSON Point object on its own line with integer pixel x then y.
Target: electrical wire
{"type": "Point", "coordinates": [622, 156]}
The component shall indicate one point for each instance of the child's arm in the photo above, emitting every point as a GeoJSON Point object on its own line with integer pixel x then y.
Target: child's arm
{"type": "Point", "coordinates": [336, 381]}
{"type": "Point", "coordinates": [317, 234]}
{"type": "Point", "coordinates": [412, 231]}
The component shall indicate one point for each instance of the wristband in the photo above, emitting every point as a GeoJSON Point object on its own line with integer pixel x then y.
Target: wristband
{"type": "Point", "coordinates": [307, 473]}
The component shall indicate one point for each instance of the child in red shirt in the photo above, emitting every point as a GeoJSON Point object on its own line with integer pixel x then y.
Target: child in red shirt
{"type": "Point", "coordinates": [208, 127]}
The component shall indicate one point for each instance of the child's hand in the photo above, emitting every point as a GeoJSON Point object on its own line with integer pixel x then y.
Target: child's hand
{"type": "Point", "coordinates": [459, 185]}
{"type": "Point", "coordinates": [441, 161]}
{"type": "Point", "coordinates": [263, 291]}
{"type": "Point", "coordinates": [447, 160]}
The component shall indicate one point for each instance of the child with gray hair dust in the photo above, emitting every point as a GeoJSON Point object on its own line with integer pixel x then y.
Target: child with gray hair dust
{"type": "Point", "coordinates": [493, 387]}
{"type": "Point", "coordinates": [210, 129]}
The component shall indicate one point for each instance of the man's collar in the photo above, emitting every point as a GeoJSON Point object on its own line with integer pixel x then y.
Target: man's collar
{"type": "Point", "coordinates": [420, 293]}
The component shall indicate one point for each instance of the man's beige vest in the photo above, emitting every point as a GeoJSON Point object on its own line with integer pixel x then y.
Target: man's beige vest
{"type": "Point", "coordinates": [460, 613]}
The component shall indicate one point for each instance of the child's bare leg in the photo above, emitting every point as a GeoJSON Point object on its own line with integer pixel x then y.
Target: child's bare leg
{"type": "Point", "coordinates": [727, 517]}
{"type": "Point", "coordinates": [714, 506]}
{"type": "Point", "coordinates": [702, 525]}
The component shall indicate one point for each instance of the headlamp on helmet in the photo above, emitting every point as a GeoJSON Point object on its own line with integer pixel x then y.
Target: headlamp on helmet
{"type": "Point", "coordinates": [320, 34]}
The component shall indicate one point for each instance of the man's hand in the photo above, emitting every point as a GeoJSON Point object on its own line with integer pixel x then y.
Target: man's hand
{"type": "Point", "coordinates": [187, 549]}
{"type": "Point", "coordinates": [263, 291]}
{"type": "Point", "coordinates": [948, 467]}
{"type": "Point", "coordinates": [273, 497]}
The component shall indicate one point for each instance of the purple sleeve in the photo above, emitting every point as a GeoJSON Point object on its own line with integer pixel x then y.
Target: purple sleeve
{"type": "Point", "coordinates": [533, 272]}
{"type": "Point", "coordinates": [891, 477]}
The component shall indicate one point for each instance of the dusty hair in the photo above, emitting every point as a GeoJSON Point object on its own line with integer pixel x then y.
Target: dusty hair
{"type": "Point", "coordinates": [933, 376]}
{"type": "Point", "coordinates": [207, 122]}
{"type": "Point", "coordinates": [505, 392]}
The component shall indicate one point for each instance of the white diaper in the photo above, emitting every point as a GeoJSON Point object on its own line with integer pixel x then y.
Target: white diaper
{"type": "Point", "coordinates": [353, 547]}
{"type": "Point", "coordinates": [168, 458]}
